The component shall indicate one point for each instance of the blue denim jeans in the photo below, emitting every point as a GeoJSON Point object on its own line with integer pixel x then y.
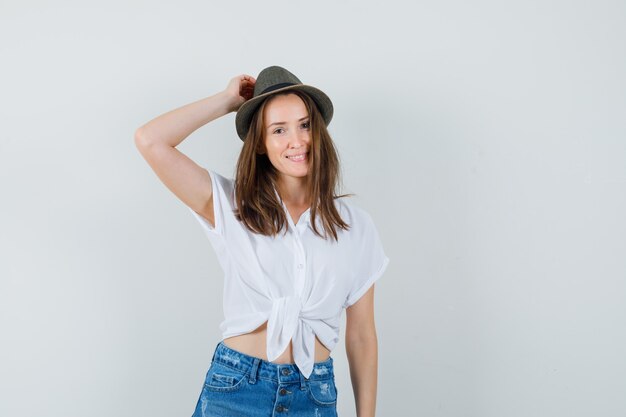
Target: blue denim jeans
{"type": "Point", "coordinates": [239, 385]}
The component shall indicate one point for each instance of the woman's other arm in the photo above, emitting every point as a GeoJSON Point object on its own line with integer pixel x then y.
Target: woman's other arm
{"type": "Point", "coordinates": [362, 352]}
{"type": "Point", "coordinates": [157, 140]}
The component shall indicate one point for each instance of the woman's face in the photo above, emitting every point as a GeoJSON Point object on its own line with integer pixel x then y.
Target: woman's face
{"type": "Point", "coordinates": [287, 134]}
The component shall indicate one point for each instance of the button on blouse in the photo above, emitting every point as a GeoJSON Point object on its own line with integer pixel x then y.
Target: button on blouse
{"type": "Point", "coordinates": [298, 282]}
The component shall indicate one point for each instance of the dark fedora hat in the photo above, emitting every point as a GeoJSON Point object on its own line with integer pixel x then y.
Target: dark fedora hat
{"type": "Point", "coordinates": [272, 80]}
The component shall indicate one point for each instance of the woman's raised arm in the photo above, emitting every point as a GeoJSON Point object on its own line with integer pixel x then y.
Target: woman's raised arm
{"type": "Point", "coordinates": [157, 140]}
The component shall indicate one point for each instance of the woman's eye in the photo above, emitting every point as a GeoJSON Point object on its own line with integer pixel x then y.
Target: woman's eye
{"type": "Point", "coordinates": [306, 125]}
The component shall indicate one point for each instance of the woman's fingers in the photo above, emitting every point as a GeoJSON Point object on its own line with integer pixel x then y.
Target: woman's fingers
{"type": "Point", "coordinates": [247, 86]}
{"type": "Point", "coordinates": [247, 80]}
{"type": "Point", "coordinates": [241, 87]}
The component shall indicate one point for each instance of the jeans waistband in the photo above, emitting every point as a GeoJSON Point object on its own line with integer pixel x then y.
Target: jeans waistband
{"type": "Point", "coordinates": [260, 368]}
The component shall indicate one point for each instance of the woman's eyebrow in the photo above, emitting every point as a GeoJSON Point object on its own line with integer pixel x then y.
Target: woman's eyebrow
{"type": "Point", "coordinates": [282, 123]}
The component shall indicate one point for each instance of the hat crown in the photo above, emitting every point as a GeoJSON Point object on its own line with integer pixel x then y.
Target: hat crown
{"type": "Point", "coordinates": [273, 78]}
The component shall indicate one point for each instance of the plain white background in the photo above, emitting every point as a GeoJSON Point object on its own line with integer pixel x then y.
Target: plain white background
{"type": "Point", "coordinates": [487, 139]}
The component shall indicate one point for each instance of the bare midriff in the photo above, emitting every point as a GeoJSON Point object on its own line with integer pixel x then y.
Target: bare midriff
{"type": "Point", "coordinates": [254, 344]}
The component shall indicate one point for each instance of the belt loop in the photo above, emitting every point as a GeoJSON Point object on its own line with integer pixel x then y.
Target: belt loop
{"type": "Point", "coordinates": [302, 381]}
{"type": "Point", "coordinates": [254, 370]}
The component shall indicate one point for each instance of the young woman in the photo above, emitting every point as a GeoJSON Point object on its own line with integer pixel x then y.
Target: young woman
{"type": "Point", "coordinates": [294, 253]}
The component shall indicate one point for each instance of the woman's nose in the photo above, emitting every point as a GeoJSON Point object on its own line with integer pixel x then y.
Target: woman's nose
{"type": "Point", "coordinates": [298, 139]}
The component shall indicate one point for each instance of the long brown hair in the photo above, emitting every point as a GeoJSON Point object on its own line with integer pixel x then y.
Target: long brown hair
{"type": "Point", "coordinates": [258, 206]}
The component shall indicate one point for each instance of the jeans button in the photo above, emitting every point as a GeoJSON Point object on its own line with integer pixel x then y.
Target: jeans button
{"type": "Point", "coordinates": [283, 391]}
{"type": "Point", "coordinates": [285, 371]}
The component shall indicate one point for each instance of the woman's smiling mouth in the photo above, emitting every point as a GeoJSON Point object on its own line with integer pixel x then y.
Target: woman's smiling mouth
{"type": "Point", "coordinates": [297, 158]}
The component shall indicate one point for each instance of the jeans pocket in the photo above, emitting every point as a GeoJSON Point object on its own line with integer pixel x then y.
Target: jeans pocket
{"type": "Point", "coordinates": [223, 378]}
{"type": "Point", "coordinates": [323, 392]}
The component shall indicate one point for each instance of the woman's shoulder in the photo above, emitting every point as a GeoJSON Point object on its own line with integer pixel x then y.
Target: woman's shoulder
{"type": "Point", "coordinates": [352, 212]}
{"type": "Point", "coordinates": [219, 176]}
{"type": "Point", "coordinates": [223, 181]}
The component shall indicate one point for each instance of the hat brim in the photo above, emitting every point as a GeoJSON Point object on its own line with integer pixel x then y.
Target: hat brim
{"type": "Point", "coordinates": [248, 108]}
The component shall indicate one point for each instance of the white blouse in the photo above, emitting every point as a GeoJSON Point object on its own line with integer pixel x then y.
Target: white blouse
{"type": "Point", "coordinates": [298, 282]}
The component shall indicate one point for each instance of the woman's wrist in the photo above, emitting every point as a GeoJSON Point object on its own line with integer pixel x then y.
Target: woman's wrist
{"type": "Point", "coordinates": [230, 103]}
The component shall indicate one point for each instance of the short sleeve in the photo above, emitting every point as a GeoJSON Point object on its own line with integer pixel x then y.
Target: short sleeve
{"type": "Point", "coordinates": [371, 262]}
{"type": "Point", "coordinates": [222, 205]}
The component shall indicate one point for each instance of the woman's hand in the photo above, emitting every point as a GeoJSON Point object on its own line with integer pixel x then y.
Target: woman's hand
{"type": "Point", "coordinates": [240, 89]}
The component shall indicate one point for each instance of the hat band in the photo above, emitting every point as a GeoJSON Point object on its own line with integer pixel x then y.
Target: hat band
{"type": "Point", "coordinates": [275, 87]}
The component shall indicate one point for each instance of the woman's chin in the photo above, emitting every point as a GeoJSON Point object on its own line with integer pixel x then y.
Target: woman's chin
{"type": "Point", "coordinates": [295, 172]}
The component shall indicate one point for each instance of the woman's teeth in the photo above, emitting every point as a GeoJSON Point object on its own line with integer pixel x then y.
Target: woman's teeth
{"type": "Point", "coordinates": [297, 158]}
